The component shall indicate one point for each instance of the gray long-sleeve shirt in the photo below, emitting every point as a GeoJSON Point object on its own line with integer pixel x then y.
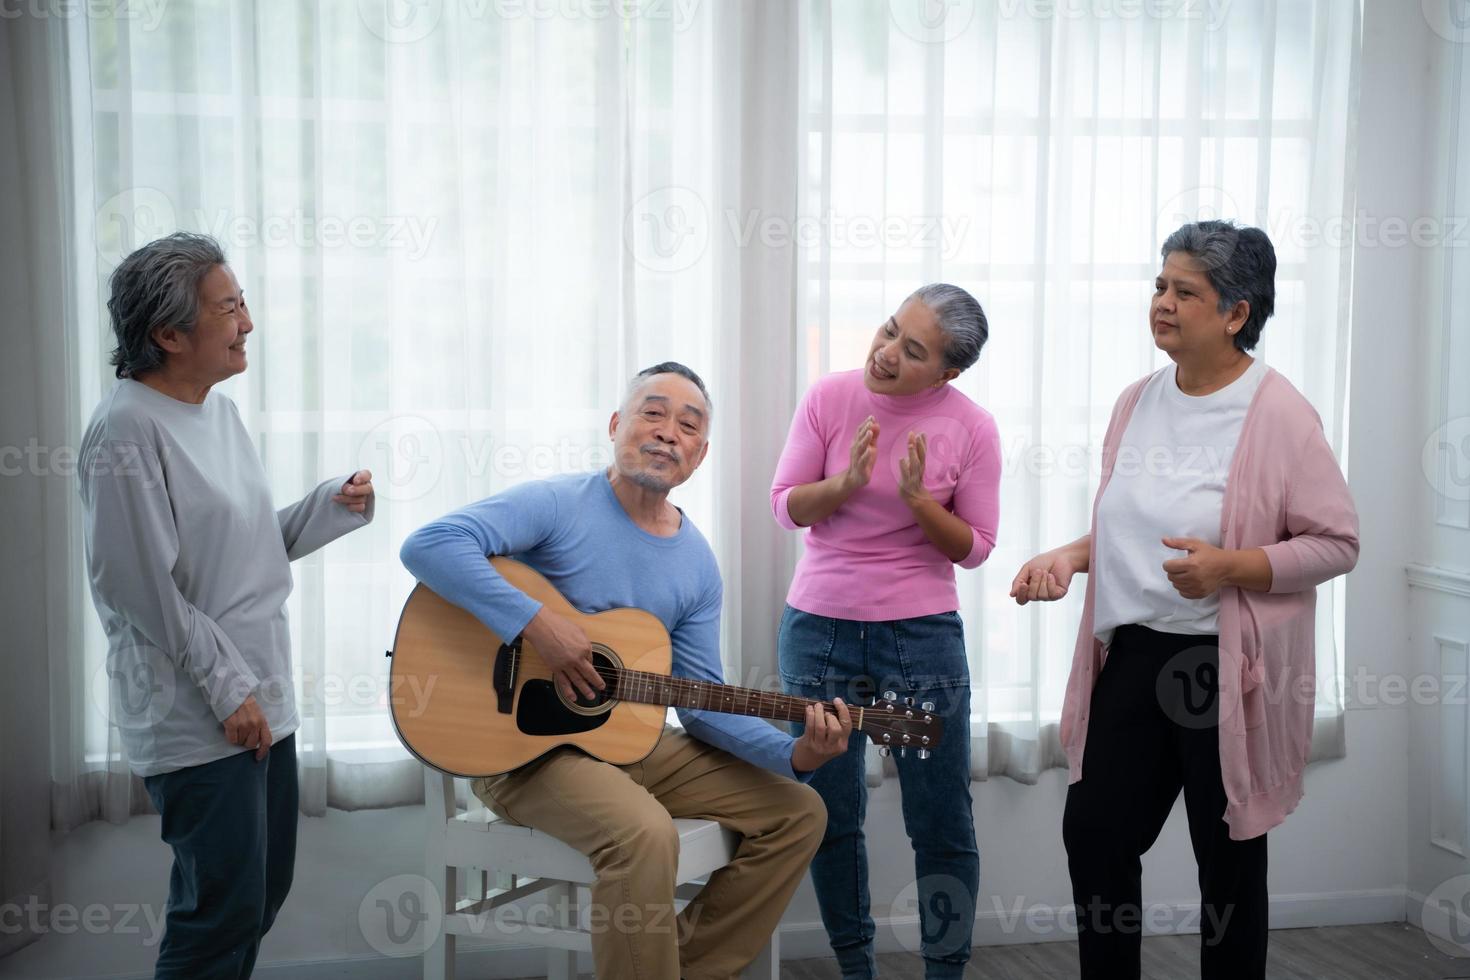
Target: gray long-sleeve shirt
{"type": "Point", "coordinates": [189, 562]}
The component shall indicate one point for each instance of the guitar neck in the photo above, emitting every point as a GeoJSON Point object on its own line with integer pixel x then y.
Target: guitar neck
{"type": "Point", "coordinates": [681, 692]}
{"type": "Point", "coordinates": [886, 721]}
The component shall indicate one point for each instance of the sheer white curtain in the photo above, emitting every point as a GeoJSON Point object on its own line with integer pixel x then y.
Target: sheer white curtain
{"type": "Point", "coordinates": [1038, 154]}
{"type": "Point", "coordinates": [461, 227]}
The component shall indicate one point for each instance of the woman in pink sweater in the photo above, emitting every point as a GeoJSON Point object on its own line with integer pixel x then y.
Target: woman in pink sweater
{"type": "Point", "coordinates": [896, 474]}
{"type": "Point", "coordinates": [1220, 510]}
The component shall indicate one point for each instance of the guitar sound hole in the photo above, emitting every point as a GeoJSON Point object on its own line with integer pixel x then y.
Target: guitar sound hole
{"type": "Point", "coordinates": [541, 710]}
{"type": "Point", "coordinates": [607, 667]}
{"type": "Point", "coordinates": [598, 699]}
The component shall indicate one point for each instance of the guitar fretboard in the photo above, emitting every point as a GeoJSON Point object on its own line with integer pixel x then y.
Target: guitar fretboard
{"type": "Point", "coordinates": [885, 719]}
{"type": "Point", "coordinates": [681, 692]}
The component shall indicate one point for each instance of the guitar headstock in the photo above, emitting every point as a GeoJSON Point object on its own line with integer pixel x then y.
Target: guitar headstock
{"type": "Point", "coordinates": [899, 723]}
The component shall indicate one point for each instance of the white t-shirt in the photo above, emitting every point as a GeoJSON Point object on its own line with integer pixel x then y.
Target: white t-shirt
{"type": "Point", "coordinates": [1168, 481]}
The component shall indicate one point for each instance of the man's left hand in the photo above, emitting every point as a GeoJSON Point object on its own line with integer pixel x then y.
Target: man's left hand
{"type": "Point", "coordinates": [825, 737]}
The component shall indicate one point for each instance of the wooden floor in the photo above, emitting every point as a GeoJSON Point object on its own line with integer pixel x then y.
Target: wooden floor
{"type": "Point", "coordinates": [1392, 951]}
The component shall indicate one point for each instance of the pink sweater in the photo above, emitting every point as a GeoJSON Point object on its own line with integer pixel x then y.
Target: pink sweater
{"type": "Point", "coordinates": [1285, 494]}
{"type": "Point", "coordinates": [870, 560]}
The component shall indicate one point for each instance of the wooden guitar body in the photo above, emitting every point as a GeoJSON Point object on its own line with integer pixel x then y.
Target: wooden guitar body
{"type": "Point", "coordinates": [455, 721]}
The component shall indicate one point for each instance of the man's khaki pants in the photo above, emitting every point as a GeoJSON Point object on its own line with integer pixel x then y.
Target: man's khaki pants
{"type": "Point", "coordinates": [621, 817]}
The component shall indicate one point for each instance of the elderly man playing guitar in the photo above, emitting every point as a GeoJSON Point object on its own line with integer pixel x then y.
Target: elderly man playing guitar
{"type": "Point", "coordinates": [612, 539]}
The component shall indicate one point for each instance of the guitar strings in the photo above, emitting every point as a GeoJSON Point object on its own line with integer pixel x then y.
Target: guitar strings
{"type": "Point", "coordinates": [669, 690]}
{"type": "Point", "coordinates": [784, 707]}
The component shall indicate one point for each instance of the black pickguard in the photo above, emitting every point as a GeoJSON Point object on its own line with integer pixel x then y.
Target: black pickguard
{"type": "Point", "coordinates": [541, 712]}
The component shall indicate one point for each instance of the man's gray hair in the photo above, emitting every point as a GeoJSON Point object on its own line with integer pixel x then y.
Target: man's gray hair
{"type": "Point", "coordinates": [960, 318]}
{"type": "Point", "coordinates": [669, 367]}
{"type": "Point", "coordinates": [1239, 262]}
{"type": "Point", "coordinates": [157, 286]}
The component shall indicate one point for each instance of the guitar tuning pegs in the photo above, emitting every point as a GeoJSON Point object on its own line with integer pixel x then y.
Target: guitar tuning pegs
{"type": "Point", "coordinates": [923, 754]}
{"type": "Point", "coordinates": [889, 696]}
{"type": "Point", "coordinates": [927, 706]}
{"type": "Point", "coordinates": [908, 702]}
{"type": "Point", "coordinates": [884, 751]}
{"type": "Point", "coordinates": [903, 753]}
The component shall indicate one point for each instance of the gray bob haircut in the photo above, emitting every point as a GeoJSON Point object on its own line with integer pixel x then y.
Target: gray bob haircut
{"type": "Point", "coordinates": [960, 318]}
{"type": "Point", "coordinates": [1240, 263]}
{"type": "Point", "coordinates": [157, 286]}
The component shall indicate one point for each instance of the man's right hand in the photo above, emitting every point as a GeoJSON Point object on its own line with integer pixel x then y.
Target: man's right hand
{"type": "Point", "coordinates": [247, 727]}
{"type": "Point", "coordinates": [565, 648]}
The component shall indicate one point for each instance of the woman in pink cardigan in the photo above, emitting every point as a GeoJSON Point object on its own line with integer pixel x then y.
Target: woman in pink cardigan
{"type": "Point", "coordinates": [1220, 510]}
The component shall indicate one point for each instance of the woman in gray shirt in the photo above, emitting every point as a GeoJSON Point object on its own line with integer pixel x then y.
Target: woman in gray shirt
{"type": "Point", "coordinates": [189, 563]}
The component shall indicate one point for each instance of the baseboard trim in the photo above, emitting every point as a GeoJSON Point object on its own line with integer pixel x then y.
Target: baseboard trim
{"type": "Point", "coordinates": [998, 923]}
{"type": "Point", "coordinates": [1435, 920]}
{"type": "Point", "coordinates": [995, 925]}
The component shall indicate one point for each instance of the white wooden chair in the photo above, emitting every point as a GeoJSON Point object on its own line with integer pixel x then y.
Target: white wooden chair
{"type": "Point", "coordinates": [506, 863]}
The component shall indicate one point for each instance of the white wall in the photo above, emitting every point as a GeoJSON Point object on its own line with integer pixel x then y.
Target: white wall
{"type": "Point", "coordinates": [1388, 347]}
{"type": "Point", "coordinates": [1437, 535]}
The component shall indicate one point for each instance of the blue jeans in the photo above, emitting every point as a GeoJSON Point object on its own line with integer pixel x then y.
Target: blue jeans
{"type": "Point", "coordinates": [922, 658]}
{"type": "Point", "coordinates": [232, 826]}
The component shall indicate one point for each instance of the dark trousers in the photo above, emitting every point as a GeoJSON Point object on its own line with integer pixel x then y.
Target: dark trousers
{"type": "Point", "coordinates": [232, 826]}
{"type": "Point", "coordinates": [1153, 730]}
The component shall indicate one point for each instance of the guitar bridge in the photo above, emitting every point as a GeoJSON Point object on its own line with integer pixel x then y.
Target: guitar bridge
{"type": "Point", "coordinates": [503, 676]}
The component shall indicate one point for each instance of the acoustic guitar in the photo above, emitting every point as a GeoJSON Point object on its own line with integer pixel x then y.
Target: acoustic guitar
{"type": "Point", "coordinates": [484, 705]}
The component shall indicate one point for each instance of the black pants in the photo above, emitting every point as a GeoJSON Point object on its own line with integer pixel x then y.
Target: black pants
{"type": "Point", "coordinates": [232, 827]}
{"type": "Point", "coordinates": [1154, 730]}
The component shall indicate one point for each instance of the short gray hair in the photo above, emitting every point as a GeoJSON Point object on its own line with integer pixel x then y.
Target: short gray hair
{"type": "Point", "coordinates": [960, 318]}
{"type": "Point", "coordinates": [1239, 262]}
{"type": "Point", "coordinates": [157, 286]}
{"type": "Point", "coordinates": [669, 367]}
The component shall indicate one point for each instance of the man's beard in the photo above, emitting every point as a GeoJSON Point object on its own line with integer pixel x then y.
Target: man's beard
{"type": "Point", "coordinates": [649, 482]}
{"type": "Point", "coordinates": [639, 476]}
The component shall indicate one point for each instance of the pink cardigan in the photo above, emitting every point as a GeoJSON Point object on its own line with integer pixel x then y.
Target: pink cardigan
{"type": "Point", "coordinates": [1285, 494]}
